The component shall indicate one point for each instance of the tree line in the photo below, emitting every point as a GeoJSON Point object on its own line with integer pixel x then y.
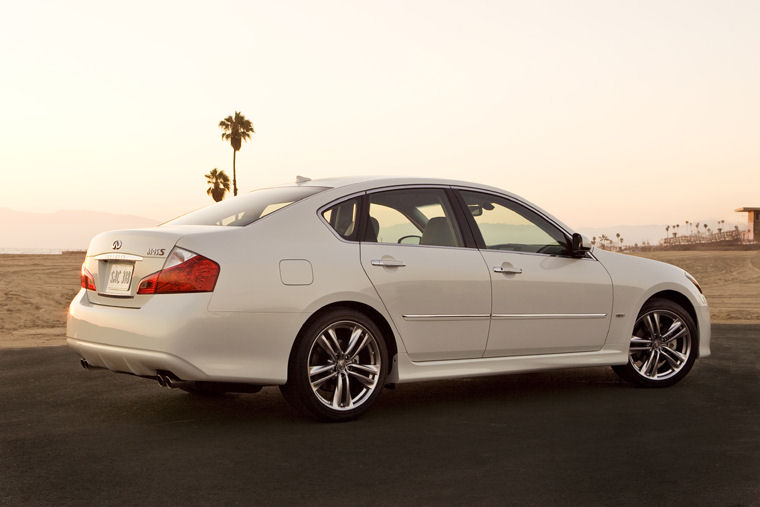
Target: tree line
{"type": "Point", "coordinates": [235, 129]}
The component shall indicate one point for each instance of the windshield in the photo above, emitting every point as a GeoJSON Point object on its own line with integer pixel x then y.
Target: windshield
{"type": "Point", "coordinates": [246, 209]}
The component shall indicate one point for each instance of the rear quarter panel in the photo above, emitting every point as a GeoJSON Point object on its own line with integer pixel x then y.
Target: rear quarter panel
{"type": "Point", "coordinates": [250, 258]}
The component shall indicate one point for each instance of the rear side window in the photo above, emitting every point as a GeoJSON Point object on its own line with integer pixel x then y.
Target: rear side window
{"type": "Point", "coordinates": [342, 218]}
{"type": "Point", "coordinates": [417, 216]}
{"type": "Point", "coordinates": [246, 209]}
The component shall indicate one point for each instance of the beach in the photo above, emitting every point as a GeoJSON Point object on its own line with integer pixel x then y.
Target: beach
{"type": "Point", "coordinates": [35, 290]}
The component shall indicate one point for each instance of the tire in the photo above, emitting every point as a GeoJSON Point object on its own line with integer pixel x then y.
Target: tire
{"type": "Point", "coordinates": [337, 367]}
{"type": "Point", "coordinates": [663, 346]}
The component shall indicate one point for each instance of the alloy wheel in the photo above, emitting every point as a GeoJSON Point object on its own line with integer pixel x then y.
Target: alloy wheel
{"type": "Point", "coordinates": [660, 346]}
{"type": "Point", "coordinates": [344, 365]}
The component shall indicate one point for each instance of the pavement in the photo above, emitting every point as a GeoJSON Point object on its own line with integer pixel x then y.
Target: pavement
{"type": "Point", "coordinates": [572, 437]}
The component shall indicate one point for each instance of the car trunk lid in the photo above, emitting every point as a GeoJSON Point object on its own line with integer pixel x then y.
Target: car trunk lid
{"type": "Point", "coordinates": [118, 260]}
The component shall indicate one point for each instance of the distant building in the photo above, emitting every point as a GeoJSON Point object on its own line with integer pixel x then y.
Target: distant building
{"type": "Point", "coordinates": [753, 223]}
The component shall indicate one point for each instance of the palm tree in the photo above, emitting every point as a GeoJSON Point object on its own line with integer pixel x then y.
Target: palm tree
{"type": "Point", "coordinates": [219, 184]}
{"type": "Point", "coordinates": [236, 130]}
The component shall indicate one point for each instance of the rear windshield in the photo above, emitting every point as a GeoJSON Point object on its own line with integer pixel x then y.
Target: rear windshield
{"type": "Point", "coordinates": [246, 209]}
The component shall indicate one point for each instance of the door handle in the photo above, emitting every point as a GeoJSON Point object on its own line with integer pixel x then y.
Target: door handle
{"type": "Point", "coordinates": [388, 263]}
{"type": "Point", "coordinates": [508, 270]}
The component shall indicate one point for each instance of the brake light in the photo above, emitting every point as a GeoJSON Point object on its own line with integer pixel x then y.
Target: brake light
{"type": "Point", "coordinates": [184, 271]}
{"type": "Point", "coordinates": [88, 281]}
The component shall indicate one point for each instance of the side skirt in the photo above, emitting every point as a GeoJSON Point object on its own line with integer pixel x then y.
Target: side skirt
{"type": "Point", "coordinates": [410, 371]}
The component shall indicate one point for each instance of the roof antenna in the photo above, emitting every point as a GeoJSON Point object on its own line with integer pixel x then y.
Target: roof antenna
{"type": "Point", "coordinates": [302, 179]}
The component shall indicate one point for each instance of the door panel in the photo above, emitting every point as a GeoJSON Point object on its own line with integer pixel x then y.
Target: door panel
{"type": "Point", "coordinates": [437, 292]}
{"type": "Point", "coordinates": [440, 299]}
{"type": "Point", "coordinates": [555, 304]}
{"type": "Point", "coordinates": [544, 301]}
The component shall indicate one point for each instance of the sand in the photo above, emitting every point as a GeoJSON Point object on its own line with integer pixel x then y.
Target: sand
{"type": "Point", "coordinates": [35, 291]}
{"type": "Point", "coordinates": [730, 280]}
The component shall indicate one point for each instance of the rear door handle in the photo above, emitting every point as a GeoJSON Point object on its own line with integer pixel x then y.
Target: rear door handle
{"type": "Point", "coordinates": [388, 263]}
{"type": "Point", "coordinates": [508, 270]}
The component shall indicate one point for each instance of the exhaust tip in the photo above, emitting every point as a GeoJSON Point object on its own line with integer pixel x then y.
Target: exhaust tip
{"type": "Point", "coordinates": [161, 380]}
{"type": "Point", "coordinates": [84, 364]}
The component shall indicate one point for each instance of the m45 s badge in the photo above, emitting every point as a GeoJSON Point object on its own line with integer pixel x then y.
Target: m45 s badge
{"type": "Point", "coordinates": [156, 251]}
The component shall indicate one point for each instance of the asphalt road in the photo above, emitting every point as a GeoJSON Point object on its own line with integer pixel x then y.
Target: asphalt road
{"type": "Point", "coordinates": [572, 437]}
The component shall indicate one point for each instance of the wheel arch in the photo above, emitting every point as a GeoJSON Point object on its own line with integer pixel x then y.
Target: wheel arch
{"type": "Point", "coordinates": [678, 298]}
{"type": "Point", "coordinates": [380, 321]}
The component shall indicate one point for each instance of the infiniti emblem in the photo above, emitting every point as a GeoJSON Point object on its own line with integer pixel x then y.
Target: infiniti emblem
{"type": "Point", "coordinates": [117, 244]}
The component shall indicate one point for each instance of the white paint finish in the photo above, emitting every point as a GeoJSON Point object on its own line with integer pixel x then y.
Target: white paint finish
{"type": "Point", "coordinates": [538, 310]}
{"type": "Point", "coordinates": [296, 272]}
{"type": "Point", "coordinates": [245, 329]}
{"type": "Point", "coordinates": [409, 371]}
{"type": "Point", "coordinates": [433, 281]}
{"type": "Point", "coordinates": [635, 281]}
{"type": "Point", "coordinates": [229, 346]}
{"type": "Point", "coordinates": [146, 248]}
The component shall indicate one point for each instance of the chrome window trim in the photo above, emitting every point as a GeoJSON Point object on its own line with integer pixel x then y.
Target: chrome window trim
{"type": "Point", "coordinates": [320, 210]}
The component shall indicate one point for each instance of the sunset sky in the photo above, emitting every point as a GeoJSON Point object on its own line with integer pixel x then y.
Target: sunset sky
{"type": "Point", "coordinates": [603, 112]}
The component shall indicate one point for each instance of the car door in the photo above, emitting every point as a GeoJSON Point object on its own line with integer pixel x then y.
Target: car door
{"type": "Point", "coordinates": [436, 289]}
{"type": "Point", "coordinates": [544, 300]}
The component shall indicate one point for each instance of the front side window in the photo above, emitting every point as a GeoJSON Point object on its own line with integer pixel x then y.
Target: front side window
{"type": "Point", "coordinates": [506, 225]}
{"type": "Point", "coordinates": [412, 216]}
{"type": "Point", "coordinates": [246, 209]}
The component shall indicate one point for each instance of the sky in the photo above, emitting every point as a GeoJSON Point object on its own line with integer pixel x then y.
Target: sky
{"type": "Point", "coordinates": [602, 112]}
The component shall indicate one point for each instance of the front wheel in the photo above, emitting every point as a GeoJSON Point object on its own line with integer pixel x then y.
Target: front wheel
{"type": "Point", "coordinates": [338, 366]}
{"type": "Point", "coordinates": [663, 345]}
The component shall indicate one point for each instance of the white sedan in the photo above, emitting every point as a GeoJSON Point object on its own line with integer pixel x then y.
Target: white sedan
{"type": "Point", "coordinates": [334, 288]}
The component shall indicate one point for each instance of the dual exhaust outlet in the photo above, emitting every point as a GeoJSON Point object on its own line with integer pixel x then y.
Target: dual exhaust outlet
{"type": "Point", "coordinates": [165, 378]}
{"type": "Point", "coordinates": [169, 380]}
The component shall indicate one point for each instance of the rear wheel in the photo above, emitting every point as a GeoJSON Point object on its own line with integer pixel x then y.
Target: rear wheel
{"type": "Point", "coordinates": [663, 345]}
{"type": "Point", "coordinates": [338, 366]}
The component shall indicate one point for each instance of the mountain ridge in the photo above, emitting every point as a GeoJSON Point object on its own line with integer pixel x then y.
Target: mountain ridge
{"type": "Point", "coordinates": [63, 229]}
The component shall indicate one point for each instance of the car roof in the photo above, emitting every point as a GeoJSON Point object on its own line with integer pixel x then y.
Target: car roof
{"type": "Point", "coordinates": [357, 183]}
{"type": "Point", "coordinates": [350, 184]}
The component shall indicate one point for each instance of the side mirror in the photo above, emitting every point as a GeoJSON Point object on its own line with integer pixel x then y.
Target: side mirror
{"type": "Point", "coordinates": [475, 209]}
{"type": "Point", "coordinates": [579, 244]}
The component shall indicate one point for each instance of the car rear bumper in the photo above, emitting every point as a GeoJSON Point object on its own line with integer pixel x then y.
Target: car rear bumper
{"type": "Point", "coordinates": [144, 363]}
{"type": "Point", "coordinates": [177, 333]}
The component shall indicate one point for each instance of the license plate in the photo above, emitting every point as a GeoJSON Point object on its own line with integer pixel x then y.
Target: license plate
{"type": "Point", "coordinates": [119, 277]}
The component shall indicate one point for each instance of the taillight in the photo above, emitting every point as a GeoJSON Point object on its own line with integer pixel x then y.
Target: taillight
{"type": "Point", "coordinates": [184, 271]}
{"type": "Point", "coordinates": [88, 281]}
